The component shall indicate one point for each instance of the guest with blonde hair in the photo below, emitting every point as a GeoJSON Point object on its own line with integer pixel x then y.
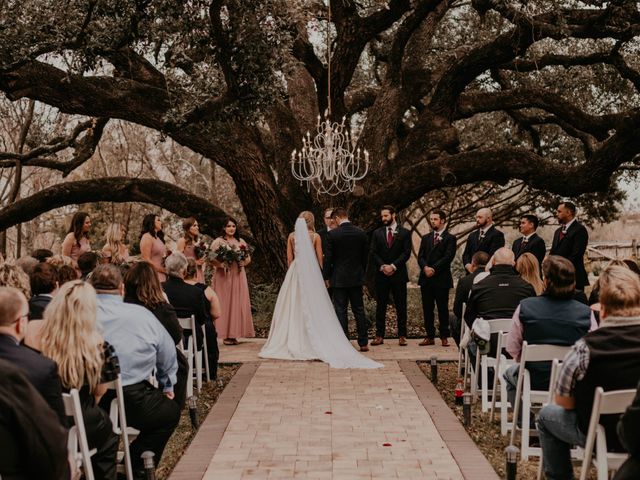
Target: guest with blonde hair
{"type": "Point", "coordinates": [114, 250]}
{"type": "Point", "coordinates": [529, 269]}
{"type": "Point", "coordinates": [14, 276]}
{"type": "Point", "coordinates": [70, 337]}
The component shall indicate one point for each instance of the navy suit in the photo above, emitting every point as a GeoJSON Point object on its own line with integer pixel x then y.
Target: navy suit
{"type": "Point", "coordinates": [492, 241]}
{"type": "Point", "coordinates": [345, 265]}
{"type": "Point", "coordinates": [572, 247]}
{"type": "Point", "coordinates": [535, 246]}
{"type": "Point", "coordinates": [435, 289]}
{"type": "Point", "coordinates": [397, 254]}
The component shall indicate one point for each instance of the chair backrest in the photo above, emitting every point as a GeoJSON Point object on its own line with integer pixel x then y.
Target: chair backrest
{"type": "Point", "coordinates": [542, 353]}
{"type": "Point", "coordinates": [614, 401]}
{"type": "Point", "coordinates": [187, 323]}
{"type": "Point", "coordinates": [499, 324]}
{"type": "Point", "coordinates": [78, 444]}
{"type": "Point", "coordinates": [119, 421]}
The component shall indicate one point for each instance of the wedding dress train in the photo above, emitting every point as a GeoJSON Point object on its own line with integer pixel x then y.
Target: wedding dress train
{"type": "Point", "coordinates": [304, 324]}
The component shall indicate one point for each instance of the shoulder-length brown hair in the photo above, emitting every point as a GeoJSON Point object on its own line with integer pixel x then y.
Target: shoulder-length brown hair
{"type": "Point", "coordinates": [141, 284]}
{"type": "Point", "coordinates": [77, 224]}
{"type": "Point", "coordinates": [560, 275]}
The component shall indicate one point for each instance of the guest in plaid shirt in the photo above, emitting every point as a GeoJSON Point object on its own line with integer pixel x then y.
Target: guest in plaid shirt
{"type": "Point", "coordinates": [608, 357]}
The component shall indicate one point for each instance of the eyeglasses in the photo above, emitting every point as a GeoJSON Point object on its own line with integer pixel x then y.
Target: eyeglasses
{"type": "Point", "coordinates": [26, 315]}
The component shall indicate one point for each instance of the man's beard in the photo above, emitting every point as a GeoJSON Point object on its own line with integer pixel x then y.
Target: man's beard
{"type": "Point", "coordinates": [386, 223]}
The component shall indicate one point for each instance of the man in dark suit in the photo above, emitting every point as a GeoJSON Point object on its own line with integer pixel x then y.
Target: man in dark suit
{"type": "Point", "coordinates": [530, 241]}
{"type": "Point", "coordinates": [437, 250]}
{"type": "Point", "coordinates": [345, 266]}
{"type": "Point", "coordinates": [391, 249]}
{"type": "Point", "coordinates": [487, 238]}
{"type": "Point", "coordinates": [570, 241]}
{"type": "Point", "coordinates": [41, 371]}
{"type": "Point", "coordinates": [329, 224]}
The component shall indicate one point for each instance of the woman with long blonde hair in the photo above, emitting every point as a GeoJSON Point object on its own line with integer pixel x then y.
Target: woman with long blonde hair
{"type": "Point", "coordinates": [529, 269]}
{"type": "Point", "coordinates": [71, 338]}
{"type": "Point", "coordinates": [114, 250]}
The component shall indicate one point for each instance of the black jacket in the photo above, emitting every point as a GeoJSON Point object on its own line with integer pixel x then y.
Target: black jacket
{"type": "Point", "coordinates": [346, 256]}
{"type": "Point", "coordinates": [41, 371]}
{"type": "Point", "coordinates": [398, 254]}
{"type": "Point", "coordinates": [498, 295]}
{"type": "Point", "coordinates": [572, 247]}
{"type": "Point", "coordinates": [324, 239]}
{"type": "Point", "coordinates": [535, 245]}
{"type": "Point", "coordinates": [438, 257]}
{"type": "Point", "coordinates": [492, 241]}
{"type": "Point", "coordinates": [32, 441]}
{"type": "Point", "coordinates": [629, 434]}
{"type": "Point", "coordinates": [167, 316]}
{"type": "Point", "coordinates": [37, 304]}
{"type": "Point", "coordinates": [462, 291]}
{"type": "Point", "coordinates": [187, 300]}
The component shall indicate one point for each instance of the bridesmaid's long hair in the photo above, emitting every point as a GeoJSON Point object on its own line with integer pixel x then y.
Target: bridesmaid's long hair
{"type": "Point", "coordinates": [227, 220]}
{"type": "Point", "coordinates": [77, 222]}
{"type": "Point", "coordinates": [309, 220]}
{"type": "Point", "coordinates": [149, 226]}
{"type": "Point", "coordinates": [187, 223]}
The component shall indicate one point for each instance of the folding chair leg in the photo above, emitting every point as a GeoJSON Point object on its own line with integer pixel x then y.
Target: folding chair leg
{"type": "Point", "coordinates": [504, 409]}
{"type": "Point", "coordinates": [205, 351]}
{"type": "Point", "coordinates": [484, 394]}
{"type": "Point", "coordinates": [474, 384]}
{"type": "Point", "coordinates": [199, 370]}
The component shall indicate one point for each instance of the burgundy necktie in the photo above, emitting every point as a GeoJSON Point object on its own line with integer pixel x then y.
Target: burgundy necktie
{"type": "Point", "coordinates": [523, 244]}
{"type": "Point", "coordinates": [563, 232]}
{"type": "Point", "coordinates": [389, 237]}
{"type": "Point", "coordinates": [436, 238]}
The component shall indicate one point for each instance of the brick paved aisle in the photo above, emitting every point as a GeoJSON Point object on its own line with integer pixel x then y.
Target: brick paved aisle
{"type": "Point", "coordinates": [305, 420]}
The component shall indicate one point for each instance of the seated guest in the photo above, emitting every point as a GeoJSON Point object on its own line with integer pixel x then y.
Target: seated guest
{"type": "Point", "coordinates": [478, 262]}
{"type": "Point", "coordinates": [66, 273]}
{"type": "Point", "coordinates": [142, 287]}
{"type": "Point", "coordinates": [26, 263]}
{"type": "Point", "coordinates": [42, 254]}
{"type": "Point", "coordinates": [630, 438]}
{"type": "Point", "coordinates": [32, 441]}
{"type": "Point", "coordinates": [186, 299]}
{"type": "Point", "coordinates": [70, 337]}
{"type": "Point", "coordinates": [44, 284]}
{"type": "Point", "coordinates": [12, 276]}
{"type": "Point", "coordinates": [41, 371]}
{"type": "Point", "coordinates": [529, 269]}
{"type": "Point", "coordinates": [212, 304]}
{"type": "Point", "coordinates": [554, 318]}
{"type": "Point", "coordinates": [87, 262]}
{"type": "Point", "coordinates": [608, 357]}
{"type": "Point", "coordinates": [143, 345]}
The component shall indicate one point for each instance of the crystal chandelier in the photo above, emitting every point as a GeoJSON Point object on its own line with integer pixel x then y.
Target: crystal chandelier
{"type": "Point", "coordinates": [329, 161]}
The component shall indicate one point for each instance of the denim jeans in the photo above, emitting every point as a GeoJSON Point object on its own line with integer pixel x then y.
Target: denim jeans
{"type": "Point", "coordinates": [510, 377]}
{"type": "Point", "coordinates": [559, 431]}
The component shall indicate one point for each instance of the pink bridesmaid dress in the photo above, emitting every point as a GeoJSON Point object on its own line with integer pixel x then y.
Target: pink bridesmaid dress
{"type": "Point", "coordinates": [77, 250]}
{"type": "Point", "coordinates": [158, 252]}
{"type": "Point", "coordinates": [189, 252]}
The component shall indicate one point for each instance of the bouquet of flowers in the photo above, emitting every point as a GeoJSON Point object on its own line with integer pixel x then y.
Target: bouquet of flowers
{"type": "Point", "coordinates": [226, 254]}
{"type": "Point", "coordinates": [200, 249]}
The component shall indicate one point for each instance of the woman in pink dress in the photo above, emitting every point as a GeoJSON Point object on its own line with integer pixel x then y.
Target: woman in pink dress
{"type": "Point", "coordinates": [77, 240]}
{"type": "Point", "coordinates": [230, 283]}
{"type": "Point", "coordinates": [152, 247]}
{"type": "Point", "coordinates": [187, 245]}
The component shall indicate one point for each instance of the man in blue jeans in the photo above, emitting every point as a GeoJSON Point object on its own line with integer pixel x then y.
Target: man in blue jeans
{"type": "Point", "coordinates": [608, 357]}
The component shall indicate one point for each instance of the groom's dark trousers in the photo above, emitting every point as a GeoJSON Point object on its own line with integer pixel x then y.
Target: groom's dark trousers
{"type": "Point", "coordinates": [346, 259]}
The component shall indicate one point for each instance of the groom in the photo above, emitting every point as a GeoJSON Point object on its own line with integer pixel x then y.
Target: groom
{"type": "Point", "coordinates": [345, 264]}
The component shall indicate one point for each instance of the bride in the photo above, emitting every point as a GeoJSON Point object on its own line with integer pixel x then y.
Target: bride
{"type": "Point", "coordinates": [304, 324]}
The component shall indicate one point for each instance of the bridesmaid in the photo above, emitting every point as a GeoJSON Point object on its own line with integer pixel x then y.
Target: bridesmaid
{"type": "Point", "coordinates": [77, 240]}
{"type": "Point", "coordinates": [186, 244]}
{"type": "Point", "coordinates": [152, 247]}
{"type": "Point", "coordinates": [231, 285]}
{"type": "Point", "coordinates": [114, 250]}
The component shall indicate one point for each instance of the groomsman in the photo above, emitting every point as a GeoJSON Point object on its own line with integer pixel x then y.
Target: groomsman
{"type": "Point", "coordinates": [329, 224]}
{"type": "Point", "coordinates": [570, 241]}
{"type": "Point", "coordinates": [345, 265]}
{"type": "Point", "coordinates": [437, 250]}
{"type": "Point", "coordinates": [391, 249]}
{"type": "Point", "coordinates": [487, 238]}
{"type": "Point", "coordinates": [530, 241]}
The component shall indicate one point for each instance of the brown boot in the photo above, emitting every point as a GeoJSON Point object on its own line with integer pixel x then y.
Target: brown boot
{"type": "Point", "coordinates": [427, 341]}
{"type": "Point", "coordinates": [445, 342]}
{"type": "Point", "coordinates": [377, 341]}
{"type": "Point", "coordinates": [402, 342]}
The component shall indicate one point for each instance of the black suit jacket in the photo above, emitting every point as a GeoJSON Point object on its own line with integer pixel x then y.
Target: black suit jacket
{"type": "Point", "coordinates": [398, 254]}
{"type": "Point", "coordinates": [535, 245]}
{"type": "Point", "coordinates": [187, 300]}
{"type": "Point", "coordinates": [438, 257]}
{"type": "Point", "coordinates": [572, 247]}
{"type": "Point", "coordinates": [41, 371]}
{"type": "Point", "coordinates": [346, 256]}
{"type": "Point", "coordinates": [492, 241]}
{"type": "Point", "coordinates": [324, 239]}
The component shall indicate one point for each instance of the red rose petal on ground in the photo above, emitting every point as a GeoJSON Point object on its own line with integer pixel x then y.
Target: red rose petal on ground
{"type": "Point", "coordinates": [386, 444]}
{"type": "Point", "coordinates": [328, 413]}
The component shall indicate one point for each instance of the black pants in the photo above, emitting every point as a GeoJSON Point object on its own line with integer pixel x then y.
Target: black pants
{"type": "Point", "coordinates": [101, 437]}
{"type": "Point", "coordinates": [432, 296]}
{"type": "Point", "coordinates": [151, 412]}
{"type": "Point", "coordinates": [212, 348]}
{"type": "Point", "coordinates": [341, 299]}
{"type": "Point", "coordinates": [182, 376]}
{"type": "Point", "coordinates": [385, 287]}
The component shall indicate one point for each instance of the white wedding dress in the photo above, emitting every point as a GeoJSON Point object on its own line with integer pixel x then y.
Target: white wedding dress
{"type": "Point", "coordinates": [304, 324]}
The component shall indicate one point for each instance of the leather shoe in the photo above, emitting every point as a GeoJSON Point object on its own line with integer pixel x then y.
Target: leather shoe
{"type": "Point", "coordinates": [445, 342]}
{"type": "Point", "coordinates": [427, 341]}
{"type": "Point", "coordinates": [402, 342]}
{"type": "Point", "coordinates": [377, 341]}
{"type": "Point", "coordinates": [364, 348]}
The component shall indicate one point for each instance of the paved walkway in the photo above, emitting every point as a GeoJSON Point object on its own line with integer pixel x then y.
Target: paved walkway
{"type": "Point", "coordinates": [280, 419]}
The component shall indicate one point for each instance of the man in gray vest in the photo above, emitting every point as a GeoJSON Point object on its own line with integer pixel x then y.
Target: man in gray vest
{"type": "Point", "coordinates": [608, 357]}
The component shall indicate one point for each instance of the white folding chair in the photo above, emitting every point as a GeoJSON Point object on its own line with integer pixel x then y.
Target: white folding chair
{"type": "Point", "coordinates": [205, 351]}
{"type": "Point", "coordinates": [604, 403]}
{"type": "Point", "coordinates": [77, 443]}
{"type": "Point", "coordinates": [189, 323]}
{"type": "Point", "coordinates": [462, 352]}
{"type": "Point", "coordinates": [525, 397]}
{"type": "Point", "coordinates": [555, 371]}
{"type": "Point", "coordinates": [118, 418]}
{"type": "Point", "coordinates": [495, 326]}
{"type": "Point", "coordinates": [502, 363]}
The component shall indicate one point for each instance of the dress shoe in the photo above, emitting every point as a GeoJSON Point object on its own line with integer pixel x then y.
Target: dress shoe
{"type": "Point", "coordinates": [402, 342]}
{"type": "Point", "coordinates": [377, 341]}
{"type": "Point", "coordinates": [364, 348]}
{"type": "Point", "coordinates": [427, 341]}
{"type": "Point", "coordinates": [445, 342]}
